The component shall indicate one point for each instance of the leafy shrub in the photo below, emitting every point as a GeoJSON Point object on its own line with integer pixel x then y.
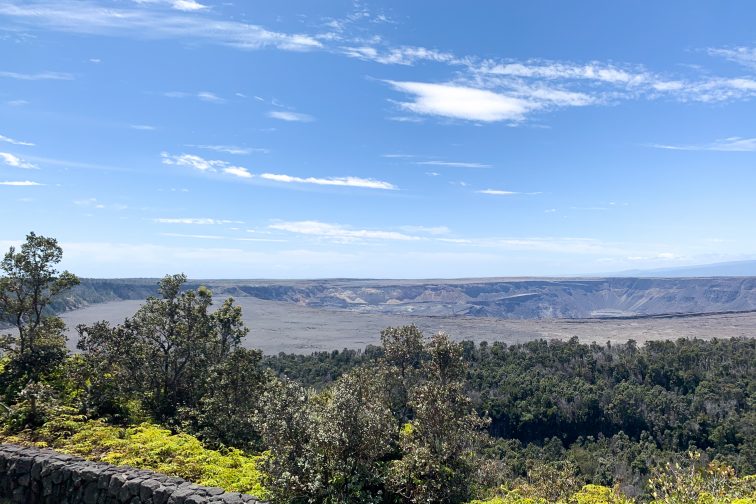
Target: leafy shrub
{"type": "Point", "coordinates": [148, 446]}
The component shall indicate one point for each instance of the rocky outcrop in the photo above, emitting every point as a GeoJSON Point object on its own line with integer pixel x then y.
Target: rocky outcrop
{"type": "Point", "coordinates": [40, 476]}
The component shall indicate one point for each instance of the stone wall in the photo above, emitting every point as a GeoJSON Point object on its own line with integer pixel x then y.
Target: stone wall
{"type": "Point", "coordinates": [33, 475]}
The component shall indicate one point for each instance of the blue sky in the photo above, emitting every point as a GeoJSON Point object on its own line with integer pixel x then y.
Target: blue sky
{"type": "Point", "coordinates": [378, 139]}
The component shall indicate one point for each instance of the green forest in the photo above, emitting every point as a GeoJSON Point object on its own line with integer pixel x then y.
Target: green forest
{"type": "Point", "coordinates": [417, 419]}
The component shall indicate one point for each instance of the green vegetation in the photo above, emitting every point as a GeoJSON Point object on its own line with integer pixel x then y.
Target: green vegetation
{"type": "Point", "coordinates": [414, 420]}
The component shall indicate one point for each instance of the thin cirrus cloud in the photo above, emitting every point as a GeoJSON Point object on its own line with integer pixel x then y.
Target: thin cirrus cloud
{"type": "Point", "coordinates": [36, 76]}
{"type": "Point", "coordinates": [16, 162]}
{"type": "Point", "coordinates": [205, 96]}
{"type": "Point", "coordinates": [454, 164]}
{"type": "Point", "coordinates": [497, 192]}
{"type": "Point", "coordinates": [502, 192]}
{"type": "Point", "coordinates": [204, 165]}
{"type": "Point", "coordinates": [231, 149]}
{"type": "Point", "coordinates": [144, 22]}
{"type": "Point", "coordinates": [745, 56]}
{"type": "Point", "coordinates": [288, 116]}
{"type": "Point", "coordinates": [338, 232]}
{"type": "Point", "coordinates": [20, 183]}
{"type": "Point", "coordinates": [731, 144]}
{"type": "Point", "coordinates": [11, 141]}
{"type": "Point", "coordinates": [180, 5]}
{"type": "Point", "coordinates": [333, 181]}
{"type": "Point", "coordinates": [195, 221]}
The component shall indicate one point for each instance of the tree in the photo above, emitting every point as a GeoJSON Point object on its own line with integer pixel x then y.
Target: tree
{"type": "Point", "coordinates": [165, 353]}
{"type": "Point", "coordinates": [439, 444]}
{"type": "Point", "coordinates": [29, 283]}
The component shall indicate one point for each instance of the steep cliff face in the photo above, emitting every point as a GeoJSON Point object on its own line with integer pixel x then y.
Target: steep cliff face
{"type": "Point", "coordinates": [516, 299]}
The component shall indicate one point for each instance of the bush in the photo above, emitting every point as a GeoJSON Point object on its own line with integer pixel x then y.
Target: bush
{"type": "Point", "coordinates": [148, 446]}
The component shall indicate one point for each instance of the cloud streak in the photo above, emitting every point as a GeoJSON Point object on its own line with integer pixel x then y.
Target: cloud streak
{"type": "Point", "coordinates": [339, 232]}
{"type": "Point", "coordinates": [36, 76]}
{"type": "Point", "coordinates": [454, 164]}
{"type": "Point", "coordinates": [332, 181]}
{"type": "Point", "coordinates": [287, 116]}
{"type": "Point", "coordinates": [205, 165]}
{"type": "Point", "coordinates": [20, 183]}
{"type": "Point", "coordinates": [731, 144]}
{"type": "Point", "coordinates": [90, 18]}
{"type": "Point", "coordinates": [194, 221]}
{"type": "Point", "coordinates": [16, 162]}
{"type": "Point", "coordinates": [11, 141]}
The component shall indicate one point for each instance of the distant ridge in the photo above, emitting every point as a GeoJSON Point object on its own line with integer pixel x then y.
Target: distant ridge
{"type": "Point", "coordinates": [723, 269]}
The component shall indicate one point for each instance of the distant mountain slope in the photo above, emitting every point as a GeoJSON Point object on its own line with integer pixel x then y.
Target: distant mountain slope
{"type": "Point", "coordinates": [500, 298]}
{"type": "Point", "coordinates": [725, 269]}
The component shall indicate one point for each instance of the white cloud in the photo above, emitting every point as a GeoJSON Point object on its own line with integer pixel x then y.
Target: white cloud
{"type": "Point", "coordinates": [332, 181]}
{"type": "Point", "coordinates": [16, 162]}
{"type": "Point", "coordinates": [142, 127]}
{"type": "Point", "coordinates": [731, 144]}
{"type": "Point", "coordinates": [454, 164]}
{"type": "Point", "coordinates": [194, 221]}
{"type": "Point", "coordinates": [290, 116]}
{"type": "Point", "coordinates": [91, 18]}
{"type": "Point", "coordinates": [497, 192]}
{"type": "Point", "coordinates": [20, 183]}
{"type": "Point", "coordinates": [552, 70]}
{"type": "Point", "coordinates": [205, 96]}
{"type": "Point", "coordinates": [339, 232]}
{"type": "Point", "coordinates": [11, 141]}
{"type": "Point", "coordinates": [193, 161]}
{"type": "Point", "coordinates": [432, 230]}
{"type": "Point", "coordinates": [205, 165]}
{"type": "Point", "coordinates": [188, 5]}
{"type": "Point", "coordinates": [17, 103]}
{"type": "Point", "coordinates": [461, 102]}
{"type": "Point", "coordinates": [238, 171]}
{"type": "Point", "coordinates": [36, 76]}
{"type": "Point", "coordinates": [745, 56]}
{"type": "Point", "coordinates": [406, 55]}
{"type": "Point", "coordinates": [231, 149]}
{"type": "Point", "coordinates": [95, 203]}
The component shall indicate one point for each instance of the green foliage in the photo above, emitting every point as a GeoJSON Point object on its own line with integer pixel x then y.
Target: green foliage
{"type": "Point", "coordinates": [698, 483]}
{"type": "Point", "coordinates": [148, 446]}
{"type": "Point", "coordinates": [37, 347]}
{"type": "Point", "coordinates": [170, 354]}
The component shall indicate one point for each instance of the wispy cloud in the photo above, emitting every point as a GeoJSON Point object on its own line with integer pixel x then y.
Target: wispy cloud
{"type": "Point", "coordinates": [142, 127]}
{"type": "Point", "coordinates": [731, 144]}
{"type": "Point", "coordinates": [237, 171]}
{"type": "Point", "coordinates": [195, 221]}
{"type": "Point", "coordinates": [284, 115]}
{"type": "Point", "coordinates": [16, 162]}
{"type": "Point", "coordinates": [405, 55]}
{"type": "Point", "coordinates": [332, 181]}
{"type": "Point", "coordinates": [431, 230]}
{"type": "Point", "coordinates": [745, 56]}
{"type": "Point", "coordinates": [11, 141]}
{"type": "Point", "coordinates": [454, 164]}
{"type": "Point", "coordinates": [220, 237]}
{"type": "Point", "coordinates": [205, 165]}
{"type": "Point", "coordinates": [95, 203]}
{"type": "Point", "coordinates": [205, 96]}
{"type": "Point", "coordinates": [497, 192]}
{"type": "Point", "coordinates": [20, 183]}
{"type": "Point", "coordinates": [339, 232]}
{"type": "Point", "coordinates": [231, 149]}
{"type": "Point", "coordinates": [35, 76]}
{"type": "Point", "coordinates": [91, 18]}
